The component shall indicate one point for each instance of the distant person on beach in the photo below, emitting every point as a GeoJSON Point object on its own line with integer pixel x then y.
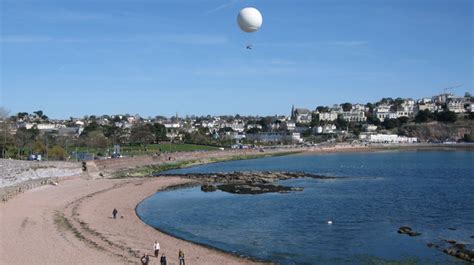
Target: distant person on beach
{"type": "Point", "coordinates": [181, 257]}
{"type": "Point", "coordinates": [114, 213]}
{"type": "Point", "coordinates": [163, 260]}
{"type": "Point", "coordinates": [156, 248]}
{"type": "Point", "coordinates": [145, 259]}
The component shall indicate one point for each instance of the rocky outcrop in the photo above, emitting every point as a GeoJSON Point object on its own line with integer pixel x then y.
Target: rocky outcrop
{"type": "Point", "coordinates": [254, 177]}
{"type": "Point", "coordinates": [208, 188]}
{"type": "Point", "coordinates": [255, 182]}
{"type": "Point", "coordinates": [256, 189]}
{"type": "Point", "coordinates": [408, 231]}
{"type": "Point", "coordinates": [438, 130]}
{"type": "Point", "coordinates": [460, 251]}
{"type": "Point", "coordinates": [448, 246]}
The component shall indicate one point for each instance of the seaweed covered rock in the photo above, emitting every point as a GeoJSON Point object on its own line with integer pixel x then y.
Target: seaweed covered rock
{"type": "Point", "coordinates": [408, 231]}
{"type": "Point", "coordinates": [460, 251]}
{"type": "Point", "coordinates": [256, 188]}
{"type": "Point", "coordinates": [208, 188]}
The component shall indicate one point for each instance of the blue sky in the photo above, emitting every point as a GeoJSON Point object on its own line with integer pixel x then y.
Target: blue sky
{"type": "Point", "coordinates": [159, 57]}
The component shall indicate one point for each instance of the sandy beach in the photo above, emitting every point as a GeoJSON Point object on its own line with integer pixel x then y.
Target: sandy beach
{"type": "Point", "coordinates": [72, 223]}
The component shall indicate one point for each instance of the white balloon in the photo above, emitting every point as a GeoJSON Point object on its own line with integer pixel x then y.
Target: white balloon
{"type": "Point", "coordinates": [249, 19]}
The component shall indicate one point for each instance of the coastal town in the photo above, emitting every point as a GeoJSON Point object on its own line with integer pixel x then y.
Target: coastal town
{"type": "Point", "coordinates": [399, 120]}
{"type": "Point", "coordinates": [226, 132]}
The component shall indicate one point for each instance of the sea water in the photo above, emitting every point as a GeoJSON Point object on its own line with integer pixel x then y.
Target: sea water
{"type": "Point", "coordinates": [373, 195]}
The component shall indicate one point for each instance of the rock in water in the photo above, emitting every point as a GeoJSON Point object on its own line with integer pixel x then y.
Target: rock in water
{"type": "Point", "coordinates": [208, 188]}
{"type": "Point", "coordinates": [255, 188]}
{"type": "Point", "coordinates": [432, 245]}
{"type": "Point", "coordinates": [404, 229]}
{"type": "Point", "coordinates": [460, 251]}
{"type": "Point", "coordinates": [408, 231]}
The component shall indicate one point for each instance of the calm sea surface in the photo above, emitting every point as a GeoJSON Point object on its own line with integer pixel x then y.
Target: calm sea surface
{"type": "Point", "coordinates": [375, 194]}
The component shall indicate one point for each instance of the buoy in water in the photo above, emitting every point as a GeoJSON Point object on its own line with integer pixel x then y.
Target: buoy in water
{"type": "Point", "coordinates": [329, 222]}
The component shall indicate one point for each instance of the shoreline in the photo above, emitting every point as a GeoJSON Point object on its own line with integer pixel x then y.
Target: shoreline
{"type": "Point", "coordinates": [189, 185]}
{"type": "Point", "coordinates": [73, 224]}
{"type": "Point", "coordinates": [38, 221]}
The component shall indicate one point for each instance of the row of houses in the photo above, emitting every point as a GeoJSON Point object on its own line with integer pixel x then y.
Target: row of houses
{"type": "Point", "coordinates": [387, 138]}
{"type": "Point", "coordinates": [386, 110]}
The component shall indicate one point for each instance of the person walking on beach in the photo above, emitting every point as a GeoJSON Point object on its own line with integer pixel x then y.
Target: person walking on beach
{"type": "Point", "coordinates": [156, 248]}
{"type": "Point", "coordinates": [145, 259]}
{"type": "Point", "coordinates": [181, 257]}
{"type": "Point", "coordinates": [163, 260]}
{"type": "Point", "coordinates": [114, 213]}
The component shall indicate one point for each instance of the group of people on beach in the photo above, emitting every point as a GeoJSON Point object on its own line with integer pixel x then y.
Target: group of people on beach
{"type": "Point", "coordinates": [145, 259]}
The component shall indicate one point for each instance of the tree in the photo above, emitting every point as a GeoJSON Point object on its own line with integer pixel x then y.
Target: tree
{"type": "Point", "coordinates": [470, 116]}
{"type": "Point", "coordinates": [446, 116]}
{"type": "Point", "coordinates": [315, 120]}
{"type": "Point", "coordinates": [372, 119]}
{"type": "Point", "coordinates": [322, 109]}
{"type": "Point", "coordinates": [5, 135]}
{"type": "Point", "coordinates": [160, 132]}
{"type": "Point", "coordinates": [341, 124]}
{"type": "Point", "coordinates": [403, 120]}
{"type": "Point", "coordinates": [142, 134]}
{"type": "Point", "coordinates": [39, 148]}
{"type": "Point", "coordinates": [22, 115]}
{"type": "Point", "coordinates": [91, 127]}
{"type": "Point", "coordinates": [57, 153]}
{"type": "Point", "coordinates": [468, 138]}
{"type": "Point", "coordinates": [398, 102]}
{"type": "Point", "coordinates": [112, 132]}
{"type": "Point", "coordinates": [424, 116]}
{"type": "Point", "coordinates": [266, 123]}
{"type": "Point", "coordinates": [97, 139]}
{"type": "Point", "coordinates": [390, 123]}
{"type": "Point", "coordinates": [347, 106]}
{"type": "Point", "coordinates": [39, 113]}
{"type": "Point", "coordinates": [371, 107]}
{"type": "Point", "coordinates": [24, 138]}
{"type": "Point", "coordinates": [306, 133]}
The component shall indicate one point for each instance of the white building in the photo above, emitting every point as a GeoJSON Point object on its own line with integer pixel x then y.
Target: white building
{"type": "Point", "coordinates": [329, 128]}
{"type": "Point", "coordinates": [408, 109]}
{"type": "Point", "coordinates": [289, 125]}
{"type": "Point", "coordinates": [171, 125]}
{"type": "Point", "coordinates": [470, 107]}
{"type": "Point", "coordinates": [254, 125]}
{"type": "Point", "coordinates": [236, 125]}
{"type": "Point", "coordinates": [427, 106]}
{"type": "Point", "coordinates": [443, 98]}
{"type": "Point", "coordinates": [359, 107]}
{"type": "Point", "coordinates": [354, 116]}
{"type": "Point", "coordinates": [382, 112]}
{"type": "Point", "coordinates": [370, 127]}
{"type": "Point", "coordinates": [456, 104]}
{"type": "Point", "coordinates": [328, 116]}
{"type": "Point", "coordinates": [301, 115]}
{"type": "Point", "coordinates": [275, 137]}
{"type": "Point", "coordinates": [387, 138]}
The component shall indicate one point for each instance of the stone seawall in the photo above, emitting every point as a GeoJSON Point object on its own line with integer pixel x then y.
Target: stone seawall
{"type": "Point", "coordinates": [17, 176]}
